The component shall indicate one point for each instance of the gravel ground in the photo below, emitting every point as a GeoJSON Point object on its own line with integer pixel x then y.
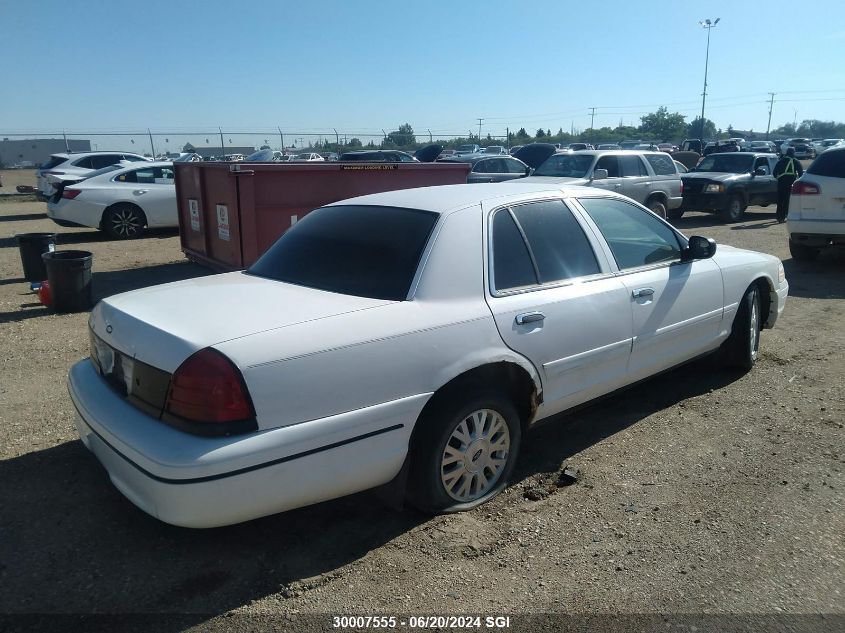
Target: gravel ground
{"type": "Point", "coordinates": [701, 491]}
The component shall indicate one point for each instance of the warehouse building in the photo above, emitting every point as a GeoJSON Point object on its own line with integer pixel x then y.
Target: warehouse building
{"type": "Point", "coordinates": [35, 151]}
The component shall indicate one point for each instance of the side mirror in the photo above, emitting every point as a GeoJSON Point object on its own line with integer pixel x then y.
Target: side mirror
{"type": "Point", "coordinates": [599, 174]}
{"type": "Point", "coordinates": [698, 248]}
{"type": "Point", "coordinates": [527, 171]}
{"type": "Point", "coordinates": [761, 171]}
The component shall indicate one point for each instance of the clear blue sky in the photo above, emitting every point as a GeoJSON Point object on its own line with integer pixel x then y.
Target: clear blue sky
{"type": "Point", "coordinates": [360, 66]}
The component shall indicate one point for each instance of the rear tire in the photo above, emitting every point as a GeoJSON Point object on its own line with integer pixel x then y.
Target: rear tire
{"type": "Point", "coordinates": [802, 252]}
{"type": "Point", "coordinates": [124, 222]}
{"type": "Point", "coordinates": [735, 209]}
{"type": "Point", "coordinates": [464, 452]}
{"type": "Point", "coordinates": [741, 348]}
{"type": "Point", "coordinates": [656, 206]}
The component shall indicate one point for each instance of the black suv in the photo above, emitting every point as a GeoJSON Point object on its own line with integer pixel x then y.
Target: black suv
{"type": "Point", "coordinates": [726, 183]}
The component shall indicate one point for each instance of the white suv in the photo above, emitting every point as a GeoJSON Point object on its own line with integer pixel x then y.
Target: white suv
{"type": "Point", "coordinates": [76, 164]}
{"type": "Point", "coordinates": [816, 217]}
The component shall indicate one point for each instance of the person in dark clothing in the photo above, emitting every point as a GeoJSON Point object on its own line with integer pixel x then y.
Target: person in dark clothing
{"type": "Point", "coordinates": [786, 171]}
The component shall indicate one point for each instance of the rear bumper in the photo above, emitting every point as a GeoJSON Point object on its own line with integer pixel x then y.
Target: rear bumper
{"type": "Point", "coordinates": [816, 232]}
{"type": "Point", "coordinates": [202, 482]}
{"type": "Point", "coordinates": [77, 213]}
{"type": "Point", "coordinates": [675, 203]}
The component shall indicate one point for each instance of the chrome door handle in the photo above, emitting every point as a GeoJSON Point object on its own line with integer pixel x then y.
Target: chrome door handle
{"type": "Point", "coordinates": [529, 317]}
{"type": "Point", "coordinates": [642, 292]}
{"type": "Point", "coordinates": [618, 185]}
{"type": "Point", "coordinates": [140, 191]}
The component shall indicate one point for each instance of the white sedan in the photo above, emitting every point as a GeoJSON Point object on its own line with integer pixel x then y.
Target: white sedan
{"type": "Point", "coordinates": [120, 200]}
{"type": "Point", "coordinates": [411, 336]}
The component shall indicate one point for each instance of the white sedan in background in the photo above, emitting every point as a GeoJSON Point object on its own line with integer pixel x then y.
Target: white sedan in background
{"type": "Point", "coordinates": [410, 335]}
{"type": "Point", "coordinates": [122, 200]}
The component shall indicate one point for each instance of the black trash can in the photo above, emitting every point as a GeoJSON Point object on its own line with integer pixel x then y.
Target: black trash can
{"type": "Point", "coordinates": [31, 246]}
{"type": "Point", "coordinates": [69, 274]}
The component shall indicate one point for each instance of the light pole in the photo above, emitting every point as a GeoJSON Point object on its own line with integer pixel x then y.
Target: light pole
{"type": "Point", "coordinates": [707, 24]}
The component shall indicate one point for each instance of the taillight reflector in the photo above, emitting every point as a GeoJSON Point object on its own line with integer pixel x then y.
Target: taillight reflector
{"type": "Point", "coordinates": [208, 387]}
{"type": "Point", "coordinates": [70, 194]}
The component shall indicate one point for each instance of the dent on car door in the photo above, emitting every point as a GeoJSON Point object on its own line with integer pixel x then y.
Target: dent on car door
{"type": "Point", "coordinates": [677, 306]}
{"type": "Point", "coordinates": [556, 302]}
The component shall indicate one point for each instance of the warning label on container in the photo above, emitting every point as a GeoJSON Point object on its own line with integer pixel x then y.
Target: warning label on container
{"type": "Point", "coordinates": [223, 222]}
{"type": "Point", "coordinates": [194, 211]}
{"type": "Point", "coordinates": [368, 167]}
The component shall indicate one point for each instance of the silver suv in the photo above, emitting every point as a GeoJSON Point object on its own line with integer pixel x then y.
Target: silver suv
{"type": "Point", "coordinates": [79, 164]}
{"type": "Point", "coordinates": [650, 178]}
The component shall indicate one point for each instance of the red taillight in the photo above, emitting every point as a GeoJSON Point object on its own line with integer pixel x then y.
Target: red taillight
{"type": "Point", "coordinates": [803, 188]}
{"type": "Point", "coordinates": [207, 387]}
{"type": "Point", "coordinates": [682, 187]}
{"type": "Point", "coordinates": [70, 194]}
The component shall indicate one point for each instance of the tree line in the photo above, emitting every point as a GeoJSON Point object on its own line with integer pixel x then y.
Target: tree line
{"type": "Point", "coordinates": [659, 126]}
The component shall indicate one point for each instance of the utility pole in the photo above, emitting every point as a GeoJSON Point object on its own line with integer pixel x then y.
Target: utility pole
{"type": "Point", "coordinates": [282, 138]}
{"type": "Point", "coordinates": [771, 105]}
{"type": "Point", "coordinates": [222, 144]}
{"type": "Point", "coordinates": [507, 138]}
{"type": "Point", "coordinates": [480, 121]}
{"type": "Point", "coordinates": [592, 120]}
{"type": "Point", "coordinates": [67, 147]}
{"type": "Point", "coordinates": [152, 147]}
{"type": "Point", "coordinates": [430, 137]}
{"type": "Point", "coordinates": [707, 24]}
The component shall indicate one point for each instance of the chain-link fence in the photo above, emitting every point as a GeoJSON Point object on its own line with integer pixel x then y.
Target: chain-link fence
{"type": "Point", "coordinates": [31, 149]}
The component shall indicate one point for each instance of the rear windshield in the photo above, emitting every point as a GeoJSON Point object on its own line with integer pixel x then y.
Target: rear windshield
{"type": "Point", "coordinates": [53, 162]}
{"type": "Point", "coordinates": [565, 166]}
{"type": "Point", "coordinates": [732, 163]}
{"type": "Point", "coordinates": [831, 164]}
{"type": "Point", "coordinates": [353, 250]}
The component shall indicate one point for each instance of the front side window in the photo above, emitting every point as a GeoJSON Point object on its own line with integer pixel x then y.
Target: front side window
{"type": "Point", "coordinates": [104, 160]}
{"type": "Point", "coordinates": [635, 237]}
{"type": "Point", "coordinates": [611, 164]}
{"type": "Point", "coordinates": [514, 166]}
{"type": "Point", "coordinates": [133, 158]}
{"type": "Point", "coordinates": [364, 251]}
{"type": "Point", "coordinates": [84, 163]}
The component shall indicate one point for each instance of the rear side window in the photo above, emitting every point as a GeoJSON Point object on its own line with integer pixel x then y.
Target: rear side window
{"type": "Point", "coordinates": [85, 163]}
{"type": "Point", "coordinates": [662, 165]}
{"type": "Point", "coordinates": [365, 251]}
{"type": "Point", "coordinates": [54, 161]}
{"type": "Point", "coordinates": [105, 160]}
{"type": "Point", "coordinates": [632, 166]}
{"type": "Point", "coordinates": [635, 236]}
{"type": "Point", "coordinates": [132, 158]}
{"type": "Point", "coordinates": [545, 244]}
{"type": "Point", "coordinates": [830, 164]}
{"type": "Point", "coordinates": [556, 240]}
{"type": "Point", "coordinates": [512, 267]}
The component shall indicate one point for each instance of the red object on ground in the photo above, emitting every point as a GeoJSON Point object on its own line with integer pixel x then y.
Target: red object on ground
{"type": "Point", "coordinates": [230, 213]}
{"type": "Point", "coordinates": [44, 294]}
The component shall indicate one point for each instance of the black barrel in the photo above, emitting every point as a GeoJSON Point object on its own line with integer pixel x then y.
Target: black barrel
{"type": "Point", "coordinates": [69, 274]}
{"type": "Point", "coordinates": [31, 246]}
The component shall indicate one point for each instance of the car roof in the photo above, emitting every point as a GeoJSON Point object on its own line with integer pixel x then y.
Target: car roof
{"type": "Point", "coordinates": [446, 199]}
{"type": "Point", "coordinates": [474, 158]}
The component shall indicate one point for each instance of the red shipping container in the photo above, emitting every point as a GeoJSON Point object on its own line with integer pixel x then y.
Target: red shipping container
{"type": "Point", "coordinates": [230, 213]}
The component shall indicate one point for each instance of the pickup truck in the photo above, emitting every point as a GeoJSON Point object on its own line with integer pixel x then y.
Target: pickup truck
{"type": "Point", "coordinates": [725, 184]}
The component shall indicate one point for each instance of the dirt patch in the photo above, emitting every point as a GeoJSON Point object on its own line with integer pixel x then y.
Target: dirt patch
{"type": "Point", "coordinates": [698, 491]}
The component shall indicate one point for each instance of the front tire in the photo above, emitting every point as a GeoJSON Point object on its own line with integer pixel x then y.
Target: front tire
{"type": "Point", "coordinates": [735, 209]}
{"type": "Point", "coordinates": [464, 453]}
{"type": "Point", "coordinates": [741, 348]}
{"type": "Point", "coordinates": [802, 252]}
{"type": "Point", "coordinates": [124, 222]}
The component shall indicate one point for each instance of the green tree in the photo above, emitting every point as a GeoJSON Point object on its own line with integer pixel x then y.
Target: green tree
{"type": "Point", "coordinates": [663, 125]}
{"type": "Point", "coordinates": [403, 137]}
{"type": "Point", "coordinates": [694, 129]}
{"type": "Point", "coordinates": [355, 142]}
{"type": "Point", "coordinates": [522, 134]}
{"type": "Point", "coordinates": [540, 133]}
